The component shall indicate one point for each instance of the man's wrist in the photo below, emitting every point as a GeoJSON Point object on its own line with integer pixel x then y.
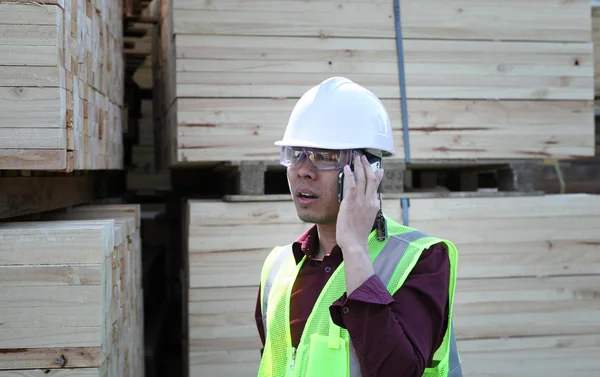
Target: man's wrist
{"type": "Point", "coordinates": [356, 250]}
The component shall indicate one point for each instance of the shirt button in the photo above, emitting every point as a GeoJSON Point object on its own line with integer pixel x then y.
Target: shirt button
{"type": "Point", "coordinates": [327, 269]}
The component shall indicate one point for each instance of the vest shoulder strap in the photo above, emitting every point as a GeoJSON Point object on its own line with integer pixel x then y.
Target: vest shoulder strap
{"type": "Point", "coordinates": [270, 268]}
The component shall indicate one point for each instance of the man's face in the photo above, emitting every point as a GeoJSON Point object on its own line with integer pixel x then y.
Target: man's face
{"type": "Point", "coordinates": [321, 206]}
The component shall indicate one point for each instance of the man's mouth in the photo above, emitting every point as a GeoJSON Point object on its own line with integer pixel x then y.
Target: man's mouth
{"type": "Point", "coordinates": [306, 197]}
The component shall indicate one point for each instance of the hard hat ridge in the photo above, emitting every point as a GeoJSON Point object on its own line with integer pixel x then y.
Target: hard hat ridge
{"type": "Point", "coordinates": [339, 114]}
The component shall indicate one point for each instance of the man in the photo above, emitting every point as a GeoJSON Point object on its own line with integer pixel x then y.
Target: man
{"type": "Point", "coordinates": [358, 294]}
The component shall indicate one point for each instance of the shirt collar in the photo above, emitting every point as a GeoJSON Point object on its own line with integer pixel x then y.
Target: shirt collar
{"type": "Point", "coordinates": [308, 244]}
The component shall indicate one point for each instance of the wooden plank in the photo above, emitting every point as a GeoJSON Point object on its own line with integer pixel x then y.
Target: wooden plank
{"type": "Point", "coordinates": [435, 69]}
{"type": "Point", "coordinates": [33, 107]}
{"type": "Point", "coordinates": [245, 129]}
{"type": "Point", "coordinates": [484, 309]}
{"type": "Point", "coordinates": [17, 76]}
{"type": "Point", "coordinates": [48, 358]}
{"type": "Point", "coordinates": [533, 242]}
{"type": "Point", "coordinates": [457, 19]}
{"type": "Point", "coordinates": [35, 159]}
{"type": "Point", "coordinates": [33, 138]}
{"type": "Point", "coordinates": [553, 356]}
{"type": "Point", "coordinates": [29, 35]}
{"type": "Point", "coordinates": [26, 14]}
{"type": "Point", "coordinates": [79, 372]}
{"type": "Point", "coordinates": [26, 195]}
{"type": "Point", "coordinates": [21, 241]}
{"type": "Point", "coordinates": [28, 55]}
{"type": "Point", "coordinates": [27, 276]}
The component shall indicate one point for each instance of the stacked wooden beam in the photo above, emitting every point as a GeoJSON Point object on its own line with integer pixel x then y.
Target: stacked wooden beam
{"type": "Point", "coordinates": [71, 294]}
{"type": "Point", "coordinates": [507, 81]}
{"type": "Point", "coordinates": [61, 85]}
{"type": "Point", "coordinates": [527, 296]}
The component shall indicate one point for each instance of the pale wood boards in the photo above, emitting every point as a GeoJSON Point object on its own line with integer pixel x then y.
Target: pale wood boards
{"type": "Point", "coordinates": [510, 56]}
{"type": "Point", "coordinates": [540, 20]}
{"type": "Point", "coordinates": [79, 372]}
{"type": "Point", "coordinates": [61, 85]}
{"type": "Point", "coordinates": [249, 66]}
{"type": "Point", "coordinates": [529, 272]}
{"type": "Point", "coordinates": [223, 129]}
{"type": "Point", "coordinates": [34, 343]}
{"type": "Point", "coordinates": [124, 319]}
{"type": "Point", "coordinates": [77, 301]}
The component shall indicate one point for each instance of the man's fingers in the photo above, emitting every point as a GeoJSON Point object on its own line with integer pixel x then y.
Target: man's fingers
{"type": "Point", "coordinates": [372, 178]}
{"type": "Point", "coordinates": [349, 183]}
{"type": "Point", "coordinates": [359, 174]}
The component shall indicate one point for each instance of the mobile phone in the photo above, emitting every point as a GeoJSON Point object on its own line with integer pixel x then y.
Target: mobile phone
{"type": "Point", "coordinates": [375, 163]}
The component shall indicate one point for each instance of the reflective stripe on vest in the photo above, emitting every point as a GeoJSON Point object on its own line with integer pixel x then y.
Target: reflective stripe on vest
{"type": "Point", "coordinates": [384, 265]}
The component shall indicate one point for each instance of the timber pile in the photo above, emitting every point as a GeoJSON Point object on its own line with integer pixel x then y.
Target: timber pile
{"type": "Point", "coordinates": [483, 82]}
{"type": "Point", "coordinates": [71, 294]}
{"type": "Point", "coordinates": [61, 85]}
{"type": "Point", "coordinates": [527, 299]}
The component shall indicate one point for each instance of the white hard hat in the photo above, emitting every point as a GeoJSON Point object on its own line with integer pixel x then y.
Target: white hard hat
{"type": "Point", "coordinates": [339, 114]}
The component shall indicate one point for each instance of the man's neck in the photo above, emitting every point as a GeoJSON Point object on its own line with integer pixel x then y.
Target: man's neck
{"type": "Point", "coordinates": [327, 239]}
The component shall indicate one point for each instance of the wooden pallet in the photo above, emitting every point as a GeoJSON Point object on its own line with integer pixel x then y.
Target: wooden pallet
{"type": "Point", "coordinates": [247, 178]}
{"type": "Point", "coordinates": [61, 85]}
{"type": "Point", "coordinates": [72, 293]}
{"type": "Point", "coordinates": [527, 294]}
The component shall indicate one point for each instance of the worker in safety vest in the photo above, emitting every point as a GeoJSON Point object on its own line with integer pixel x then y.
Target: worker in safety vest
{"type": "Point", "coordinates": [358, 294]}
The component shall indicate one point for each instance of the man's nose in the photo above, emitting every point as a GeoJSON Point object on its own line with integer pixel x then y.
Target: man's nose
{"type": "Point", "coordinates": [305, 169]}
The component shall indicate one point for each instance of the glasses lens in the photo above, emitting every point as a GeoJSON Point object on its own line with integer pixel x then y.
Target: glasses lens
{"type": "Point", "coordinates": [325, 159]}
{"type": "Point", "coordinates": [320, 158]}
{"type": "Point", "coordinates": [290, 156]}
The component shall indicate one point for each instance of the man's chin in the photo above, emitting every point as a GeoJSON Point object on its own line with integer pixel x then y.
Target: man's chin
{"type": "Point", "coordinates": [312, 218]}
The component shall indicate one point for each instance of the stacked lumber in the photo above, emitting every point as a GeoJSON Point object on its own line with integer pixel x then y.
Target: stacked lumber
{"type": "Point", "coordinates": [483, 82]}
{"type": "Point", "coordinates": [61, 85]}
{"type": "Point", "coordinates": [527, 297]}
{"type": "Point", "coordinates": [71, 294]}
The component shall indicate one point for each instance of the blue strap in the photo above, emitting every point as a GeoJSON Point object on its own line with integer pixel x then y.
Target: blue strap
{"type": "Point", "coordinates": [400, 50]}
{"type": "Point", "coordinates": [404, 204]}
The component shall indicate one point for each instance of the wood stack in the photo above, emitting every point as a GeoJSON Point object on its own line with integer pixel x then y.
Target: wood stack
{"type": "Point", "coordinates": [527, 296]}
{"type": "Point", "coordinates": [71, 294]}
{"type": "Point", "coordinates": [483, 82]}
{"type": "Point", "coordinates": [61, 85]}
{"type": "Point", "coordinates": [578, 175]}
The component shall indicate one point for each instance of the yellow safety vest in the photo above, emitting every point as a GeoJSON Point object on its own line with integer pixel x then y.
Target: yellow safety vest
{"type": "Point", "coordinates": [325, 349]}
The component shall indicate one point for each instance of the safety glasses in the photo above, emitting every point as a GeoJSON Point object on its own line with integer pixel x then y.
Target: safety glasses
{"type": "Point", "coordinates": [324, 159]}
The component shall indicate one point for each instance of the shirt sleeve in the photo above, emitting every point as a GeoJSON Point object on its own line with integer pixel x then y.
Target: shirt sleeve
{"type": "Point", "coordinates": [398, 335]}
{"type": "Point", "coordinates": [259, 322]}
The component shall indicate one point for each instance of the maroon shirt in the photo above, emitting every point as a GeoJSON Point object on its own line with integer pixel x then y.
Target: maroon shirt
{"type": "Point", "coordinates": [392, 335]}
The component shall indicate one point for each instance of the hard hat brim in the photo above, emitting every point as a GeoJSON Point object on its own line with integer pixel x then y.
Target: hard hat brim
{"type": "Point", "coordinates": [329, 145]}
